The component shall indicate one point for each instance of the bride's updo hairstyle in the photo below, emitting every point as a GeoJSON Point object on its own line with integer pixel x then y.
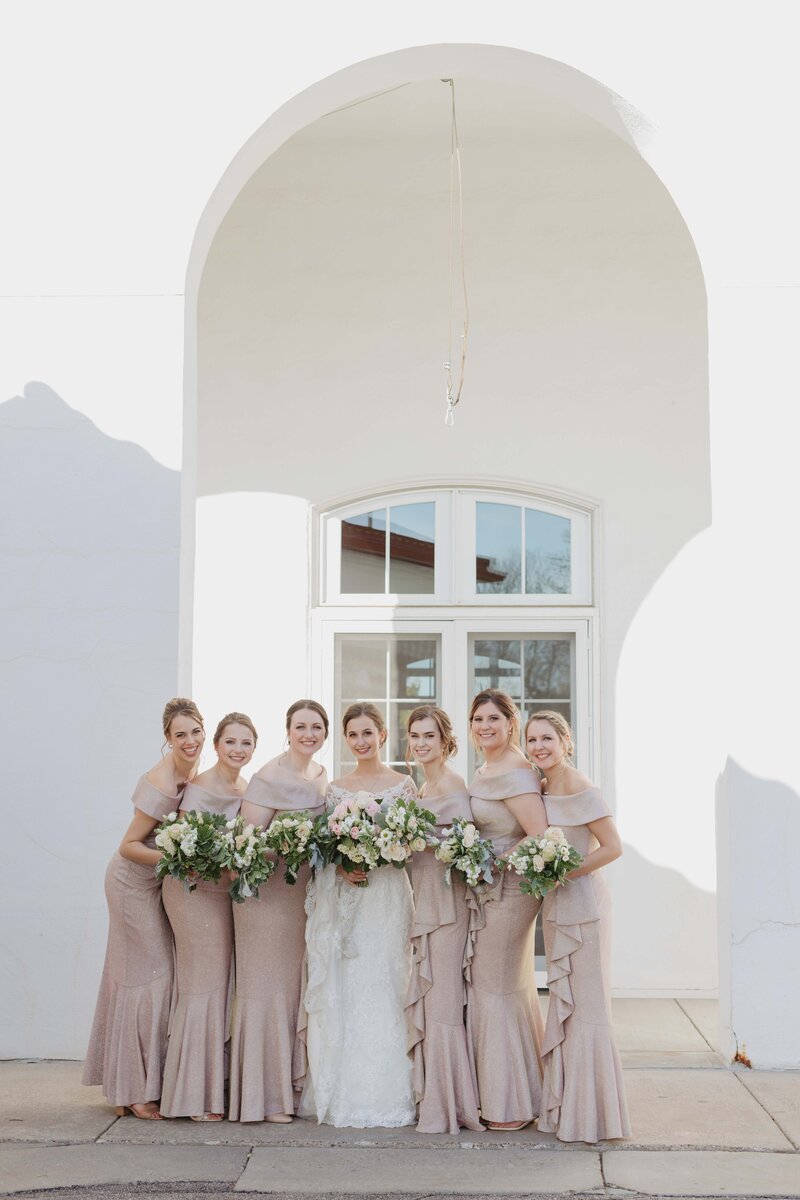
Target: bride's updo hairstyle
{"type": "Point", "coordinates": [179, 706]}
{"type": "Point", "coordinates": [442, 723]}
{"type": "Point", "coordinates": [234, 718]}
{"type": "Point", "coordinates": [315, 706]}
{"type": "Point", "coordinates": [503, 702]}
{"type": "Point", "coordinates": [362, 708]}
{"type": "Point", "coordinates": [561, 726]}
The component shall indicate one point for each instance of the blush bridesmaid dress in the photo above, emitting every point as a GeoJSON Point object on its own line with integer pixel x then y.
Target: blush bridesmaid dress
{"type": "Point", "coordinates": [128, 1042]}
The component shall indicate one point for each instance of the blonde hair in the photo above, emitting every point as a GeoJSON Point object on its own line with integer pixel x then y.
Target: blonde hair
{"type": "Point", "coordinates": [234, 718]}
{"type": "Point", "coordinates": [442, 723]}
{"type": "Point", "coordinates": [362, 708]}
{"type": "Point", "coordinates": [503, 702]}
{"type": "Point", "coordinates": [179, 706]}
{"type": "Point", "coordinates": [561, 726]}
{"type": "Point", "coordinates": [314, 705]}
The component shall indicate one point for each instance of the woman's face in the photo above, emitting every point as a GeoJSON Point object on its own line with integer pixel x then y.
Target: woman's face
{"type": "Point", "coordinates": [185, 739]}
{"type": "Point", "coordinates": [543, 745]}
{"type": "Point", "coordinates": [425, 741]}
{"type": "Point", "coordinates": [364, 739]}
{"type": "Point", "coordinates": [235, 746]}
{"type": "Point", "coordinates": [306, 732]}
{"type": "Point", "coordinates": [490, 728]}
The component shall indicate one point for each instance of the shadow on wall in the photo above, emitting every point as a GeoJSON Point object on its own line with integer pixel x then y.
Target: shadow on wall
{"type": "Point", "coordinates": [758, 832]}
{"type": "Point", "coordinates": [90, 545]}
{"type": "Point", "coordinates": [644, 933]}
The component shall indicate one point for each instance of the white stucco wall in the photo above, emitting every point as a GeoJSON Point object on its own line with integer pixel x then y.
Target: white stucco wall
{"type": "Point", "coordinates": [111, 159]}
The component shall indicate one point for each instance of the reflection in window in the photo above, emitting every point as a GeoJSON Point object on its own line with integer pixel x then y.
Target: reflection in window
{"type": "Point", "coordinates": [364, 552]}
{"type": "Point", "coordinates": [394, 671]}
{"type": "Point", "coordinates": [408, 533]}
{"type": "Point", "coordinates": [547, 552]}
{"type": "Point", "coordinates": [498, 548]}
{"type": "Point", "coordinates": [412, 548]}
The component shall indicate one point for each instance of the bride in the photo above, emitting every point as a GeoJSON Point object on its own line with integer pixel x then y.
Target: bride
{"type": "Point", "coordinates": [359, 963]}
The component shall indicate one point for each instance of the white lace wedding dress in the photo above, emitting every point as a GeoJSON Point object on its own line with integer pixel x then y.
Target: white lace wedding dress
{"type": "Point", "coordinates": [359, 963]}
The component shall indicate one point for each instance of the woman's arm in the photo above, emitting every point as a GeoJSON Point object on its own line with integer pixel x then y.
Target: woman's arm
{"type": "Point", "coordinates": [254, 814]}
{"type": "Point", "coordinates": [529, 812]}
{"type": "Point", "coordinates": [610, 847]}
{"type": "Point", "coordinates": [132, 845]}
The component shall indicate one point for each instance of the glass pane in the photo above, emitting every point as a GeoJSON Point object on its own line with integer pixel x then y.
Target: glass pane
{"type": "Point", "coordinates": [364, 553]}
{"type": "Point", "coordinates": [547, 552]}
{"type": "Point", "coordinates": [498, 664]}
{"type": "Point", "coordinates": [498, 548]}
{"type": "Point", "coordinates": [362, 668]}
{"type": "Point", "coordinates": [398, 715]}
{"type": "Point", "coordinates": [412, 548]}
{"type": "Point", "coordinates": [412, 670]}
{"type": "Point", "coordinates": [548, 669]}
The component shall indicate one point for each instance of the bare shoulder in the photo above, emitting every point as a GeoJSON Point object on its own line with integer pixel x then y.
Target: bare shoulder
{"type": "Point", "coordinates": [204, 778]}
{"type": "Point", "coordinates": [265, 771]}
{"type": "Point", "coordinates": [578, 782]}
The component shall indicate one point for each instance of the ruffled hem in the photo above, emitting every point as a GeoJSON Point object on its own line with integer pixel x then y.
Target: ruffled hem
{"type": "Point", "coordinates": [583, 1098]}
{"type": "Point", "coordinates": [565, 910]}
{"type": "Point", "coordinates": [128, 1044]}
{"type": "Point", "coordinates": [263, 1060]}
{"type": "Point", "coordinates": [503, 1034]}
{"type": "Point", "coordinates": [450, 1101]}
{"type": "Point", "coordinates": [194, 1075]}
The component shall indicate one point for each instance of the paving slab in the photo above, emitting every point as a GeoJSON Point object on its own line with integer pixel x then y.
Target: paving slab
{"type": "Point", "coordinates": [317, 1170]}
{"type": "Point", "coordinates": [654, 1025]}
{"type": "Point", "coordinates": [779, 1093]}
{"type": "Point", "coordinates": [31, 1168]}
{"type": "Point", "coordinates": [46, 1102]}
{"type": "Point", "coordinates": [702, 1173]}
{"type": "Point", "coordinates": [704, 1015]}
{"type": "Point", "coordinates": [698, 1109]}
{"type": "Point", "coordinates": [307, 1133]}
{"type": "Point", "coordinates": [668, 1060]}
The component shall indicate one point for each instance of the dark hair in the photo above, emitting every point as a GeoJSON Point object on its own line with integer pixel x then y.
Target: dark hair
{"type": "Point", "coordinates": [442, 723]}
{"type": "Point", "coordinates": [314, 705]}
{"type": "Point", "coordinates": [235, 718]}
{"type": "Point", "coordinates": [362, 708]}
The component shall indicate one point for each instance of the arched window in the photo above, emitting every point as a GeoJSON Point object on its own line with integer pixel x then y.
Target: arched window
{"type": "Point", "coordinates": [432, 595]}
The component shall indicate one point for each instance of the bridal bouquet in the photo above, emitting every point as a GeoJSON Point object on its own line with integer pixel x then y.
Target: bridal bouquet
{"type": "Point", "coordinates": [295, 836]}
{"type": "Point", "coordinates": [242, 849]}
{"type": "Point", "coordinates": [462, 849]}
{"type": "Point", "coordinates": [353, 830]}
{"type": "Point", "coordinates": [189, 847]}
{"type": "Point", "coordinates": [407, 829]}
{"type": "Point", "coordinates": [543, 862]}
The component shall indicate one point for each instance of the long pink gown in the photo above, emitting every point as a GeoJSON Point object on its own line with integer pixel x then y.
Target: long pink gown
{"type": "Point", "coordinates": [202, 922]}
{"type": "Point", "coordinates": [128, 1042]}
{"type": "Point", "coordinates": [584, 1094]}
{"type": "Point", "coordinates": [443, 1074]}
{"type": "Point", "coordinates": [504, 1020]}
{"type": "Point", "coordinates": [268, 1056]}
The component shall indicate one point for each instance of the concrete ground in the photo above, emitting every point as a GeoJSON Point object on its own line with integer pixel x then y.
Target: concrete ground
{"type": "Point", "coordinates": [700, 1130]}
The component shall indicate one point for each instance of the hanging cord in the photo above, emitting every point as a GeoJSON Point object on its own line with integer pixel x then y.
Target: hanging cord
{"type": "Point", "coordinates": [456, 236]}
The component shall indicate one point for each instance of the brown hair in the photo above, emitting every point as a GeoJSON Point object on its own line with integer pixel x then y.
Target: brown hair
{"type": "Point", "coordinates": [179, 706]}
{"type": "Point", "coordinates": [502, 701]}
{"type": "Point", "coordinates": [235, 718]}
{"type": "Point", "coordinates": [363, 708]}
{"type": "Point", "coordinates": [314, 705]}
{"type": "Point", "coordinates": [561, 726]}
{"type": "Point", "coordinates": [442, 723]}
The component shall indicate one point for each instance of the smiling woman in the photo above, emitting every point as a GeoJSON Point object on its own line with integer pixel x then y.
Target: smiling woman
{"type": "Point", "coordinates": [128, 1043]}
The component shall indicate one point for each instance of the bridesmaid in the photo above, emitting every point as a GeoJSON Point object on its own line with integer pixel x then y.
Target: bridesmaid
{"type": "Point", "coordinates": [128, 1042]}
{"type": "Point", "coordinates": [268, 1063]}
{"type": "Point", "coordinates": [202, 922]}
{"type": "Point", "coordinates": [443, 1076]}
{"type": "Point", "coordinates": [504, 1021]}
{"type": "Point", "coordinates": [583, 1095]}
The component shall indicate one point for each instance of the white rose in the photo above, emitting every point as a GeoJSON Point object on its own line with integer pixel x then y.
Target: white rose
{"type": "Point", "coordinates": [554, 834]}
{"type": "Point", "coordinates": [538, 863]}
{"type": "Point", "coordinates": [171, 816]}
{"type": "Point", "coordinates": [446, 852]}
{"type": "Point", "coordinates": [398, 853]}
{"type": "Point", "coordinates": [469, 836]}
{"type": "Point", "coordinates": [548, 851]}
{"type": "Point", "coordinates": [418, 843]}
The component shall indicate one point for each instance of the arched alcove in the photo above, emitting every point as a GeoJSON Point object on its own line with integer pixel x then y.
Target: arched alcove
{"type": "Point", "coordinates": [316, 329]}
